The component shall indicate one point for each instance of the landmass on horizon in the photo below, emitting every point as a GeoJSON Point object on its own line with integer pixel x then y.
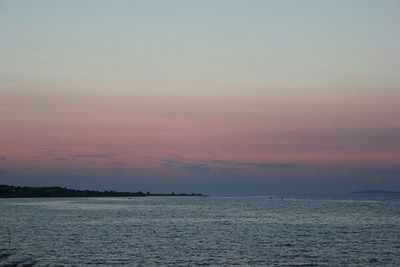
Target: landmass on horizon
{"type": "Point", "coordinates": [375, 192]}
{"type": "Point", "coordinates": [8, 191]}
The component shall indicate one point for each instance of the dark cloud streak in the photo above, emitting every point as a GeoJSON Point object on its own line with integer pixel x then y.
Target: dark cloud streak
{"type": "Point", "coordinates": [95, 155]}
{"type": "Point", "coordinates": [204, 167]}
{"type": "Point", "coordinates": [66, 159]}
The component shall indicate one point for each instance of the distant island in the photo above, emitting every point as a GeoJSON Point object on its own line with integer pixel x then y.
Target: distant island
{"type": "Point", "coordinates": [375, 192]}
{"type": "Point", "coordinates": [8, 191]}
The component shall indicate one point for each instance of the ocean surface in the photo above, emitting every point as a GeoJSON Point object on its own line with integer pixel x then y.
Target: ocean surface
{"type": "Point", "coordinates": [356, 230]}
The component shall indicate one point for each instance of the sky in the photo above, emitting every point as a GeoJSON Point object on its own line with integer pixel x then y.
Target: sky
{"type": "Point", "coordinates": [218, 97]}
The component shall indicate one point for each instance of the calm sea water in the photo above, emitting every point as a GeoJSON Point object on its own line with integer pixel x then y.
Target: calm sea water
{"type": "Point", "coordinates": [187, 231]}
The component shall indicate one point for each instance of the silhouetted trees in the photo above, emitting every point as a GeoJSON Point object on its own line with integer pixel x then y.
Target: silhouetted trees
{"type": "Point", "coordinates": [7, 191]}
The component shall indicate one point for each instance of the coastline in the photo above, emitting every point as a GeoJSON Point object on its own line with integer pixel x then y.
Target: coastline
{"type": "Point", "coordinates": [9, 191]}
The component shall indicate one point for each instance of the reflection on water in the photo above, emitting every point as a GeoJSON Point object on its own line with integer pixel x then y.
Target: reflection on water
{"type": "Point", "coordinates": [173, 231]}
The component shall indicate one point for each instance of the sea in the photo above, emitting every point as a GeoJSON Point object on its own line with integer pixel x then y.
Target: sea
{"type": "Point", "coordinates": [339, 230]}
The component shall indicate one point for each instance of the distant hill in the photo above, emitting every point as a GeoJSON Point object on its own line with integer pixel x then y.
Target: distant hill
{"type": "Point", "coordinates": [8, 191]}
{"type": "Point", "coordinates": [375, 192]}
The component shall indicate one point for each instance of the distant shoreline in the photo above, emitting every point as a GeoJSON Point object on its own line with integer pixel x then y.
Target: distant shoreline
{"type": "Point", "coordinates": [375, 192]}
{"type": "Point", "coordinates": [9, 191]}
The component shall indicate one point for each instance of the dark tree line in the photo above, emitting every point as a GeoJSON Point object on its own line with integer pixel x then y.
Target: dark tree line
{"type": "Point", "coordinates": [8, 191]}
{"type": "Point", "coordinates": [26, 191]}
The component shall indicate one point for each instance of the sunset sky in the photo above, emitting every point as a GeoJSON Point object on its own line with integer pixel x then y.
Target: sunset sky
{"type": "Point", "coordinates": [219, 97]}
